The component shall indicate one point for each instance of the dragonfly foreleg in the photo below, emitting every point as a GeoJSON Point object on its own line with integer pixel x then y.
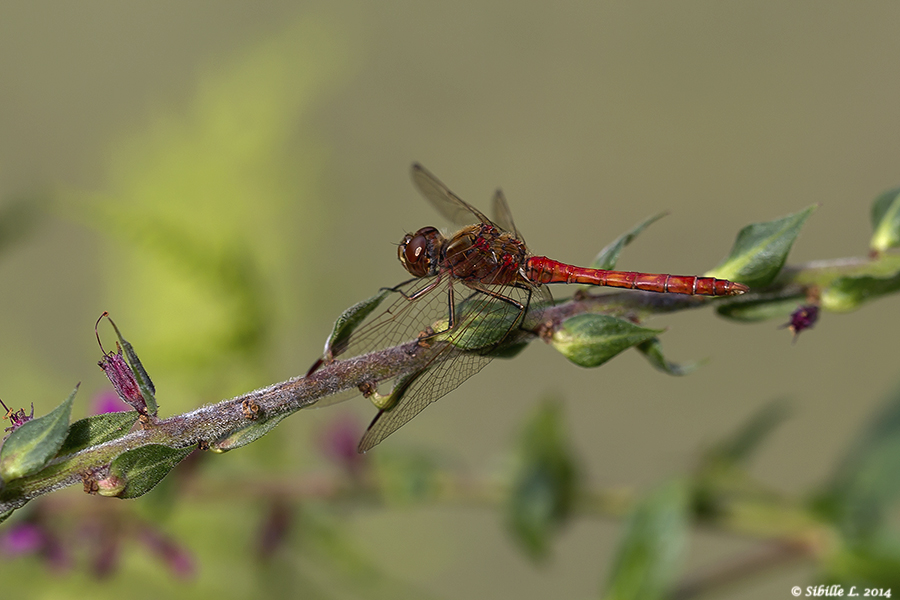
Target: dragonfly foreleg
{"type": "Point", "coordinates": [418, 293]}
{"type": "Point", "coordinates": [429, 331]}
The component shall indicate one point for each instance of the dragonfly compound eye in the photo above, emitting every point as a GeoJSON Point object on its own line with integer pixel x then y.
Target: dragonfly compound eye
{"type": "Point", "coordinates": [415, 252]}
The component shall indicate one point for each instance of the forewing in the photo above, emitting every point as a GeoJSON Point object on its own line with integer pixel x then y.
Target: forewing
{"type": "Point", "coordinates": [503, 216]}
{"type": "Point", "coordinates": [451, 206]}
{"type": "Point", "coordinates": [410, 309]}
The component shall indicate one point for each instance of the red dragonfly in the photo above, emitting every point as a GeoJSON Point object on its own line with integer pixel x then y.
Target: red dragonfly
{"type": "Point", "coordinates": [468, 293]}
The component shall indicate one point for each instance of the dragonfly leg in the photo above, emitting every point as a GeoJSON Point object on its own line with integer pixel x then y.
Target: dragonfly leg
{"type": "Point", "coordinates": [429, 333]}
{"type": "Point", "coordinates": [418, 293]}
{"type": "Point", "coordinates": [497, 295]}
{"type": "Point", "coordinates": [521, 308]}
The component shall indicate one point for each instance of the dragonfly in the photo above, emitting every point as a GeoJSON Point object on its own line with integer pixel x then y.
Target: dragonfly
{"type": "Point", "coordinates": [469, 293]}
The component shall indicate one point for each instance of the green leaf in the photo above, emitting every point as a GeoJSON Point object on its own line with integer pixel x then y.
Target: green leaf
{"type": "Point", "coordinates": [761, 249]}
{"type": "Point", "coordinates": [760, 309]}
{"type": "Point", "coordinates": [886, 221]}
{"type": "Point", "coordinates": [610, 255]}
{"type": "Point", "coordinates": [205, 269]}
{"type": "Point", "coordinates": [248, 434]}
{"type": "Point", "coordinates": [148, 390]}
{"type": "Point", "coordinates": [142, 468]}
{"type": "Point", "coordinates": [31, 446]}
{"type": "Point", "coordinates": [652, 350]}
{"type": "Point", "coordinates": [867, 482]}
{"type": "Point", "coordinates": [848, 293]}
{"type": "Point", "coordinates": [349, 320]}
{"type": "Point", "coordinates": [544, 486]}
{"type": "Point", "coordinates": [589, 340]}
{"type": "Point", "coordinates": [723, 473]}
{"type": "Point", "coordinates": [652, 551]}
{"type": "Point", "coordinates": [97, 429]}
{"type": "Point", "coordinates": [482, 322]}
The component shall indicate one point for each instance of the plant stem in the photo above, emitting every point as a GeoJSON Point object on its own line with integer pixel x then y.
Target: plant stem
{"type": "Point", "coordinates": [212, 423]}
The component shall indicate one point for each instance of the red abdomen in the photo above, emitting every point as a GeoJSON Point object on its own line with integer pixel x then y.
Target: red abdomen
{"type": "Point", "coordinates": [541, 269]}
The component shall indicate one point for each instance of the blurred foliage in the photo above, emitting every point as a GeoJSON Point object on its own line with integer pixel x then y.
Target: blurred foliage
{"type": "Point", "coordinates": [208, 210]}
{"type": "Point", "coordinates": [544, 484]}
{"type": "Point", "coordinates": [653, 546]}
{"type": "Point", "coordinates": [867, 481]}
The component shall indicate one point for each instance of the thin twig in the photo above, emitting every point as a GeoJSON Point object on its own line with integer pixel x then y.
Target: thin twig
{"type": "Point", "coordinates": [216, 422]}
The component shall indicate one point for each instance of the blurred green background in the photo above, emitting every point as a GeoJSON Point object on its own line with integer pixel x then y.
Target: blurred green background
{"type": "Point", "coordinates": [226, 177]}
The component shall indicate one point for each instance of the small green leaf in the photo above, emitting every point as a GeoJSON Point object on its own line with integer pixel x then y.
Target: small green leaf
{"type": "Point", "coordinates": [867, 482]}
{"type": "Point", "coordinates": [544, 487]}
{"type": "Point", "coordinates": [148, 390]}
{"type": "Point", "coordinates": [760, 309]}
{"type": "Point", "coordinates": [349, 320]}
{"type": "Point", "coordinates": [142, 468]}
{"type": "Point", "coordinates": [761, 249]}
{"type": "Point", "coordinates": [250, 433]}
{"type": "Point", "coordinates": [848, 293]}
{"type": "Point", "coordinates": [589, 340]}
{"type": "Point", "coordinates": [31, 446]}
{"type": "Point", "coordinates": [97, 429]}
{"type": "Point", "coordinates": [610, 255]}
{"type": "Point", "coordinates": [652, 349]}
{"type": "Point", "coordinates": [651, 554]}
{"type": "Point", "coordinates": [886, 221]}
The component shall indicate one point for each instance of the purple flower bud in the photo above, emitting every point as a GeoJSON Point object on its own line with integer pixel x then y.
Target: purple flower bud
{"type": "Point", "coordinates": [120, 375]}
{"type": "Point", "coordinates": [802, 319]}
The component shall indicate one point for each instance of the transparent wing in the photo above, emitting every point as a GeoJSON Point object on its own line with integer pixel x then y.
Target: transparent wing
{"type": "Point", "coordinates": [482, 321]}
{"type": "Point", "coordinates": [451, 206]}
{"type": "Point", "coordinates": [423, 389]}
{"type": "Point", "coordinates": [503, 216]}
{"type": "Point", "coordinates": [396, 320]}
{"type": "Point", "coordinates": [409, 310]}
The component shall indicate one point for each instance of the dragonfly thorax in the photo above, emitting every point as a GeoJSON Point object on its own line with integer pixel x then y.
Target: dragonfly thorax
{"type": "Point", "coordinates": [485, 254]}
{"type": "Point", "coordinates": [419, 252]}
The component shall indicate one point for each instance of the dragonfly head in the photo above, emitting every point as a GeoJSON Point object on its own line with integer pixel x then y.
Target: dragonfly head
{"type": "Point", "coordinates": [419, 252]}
